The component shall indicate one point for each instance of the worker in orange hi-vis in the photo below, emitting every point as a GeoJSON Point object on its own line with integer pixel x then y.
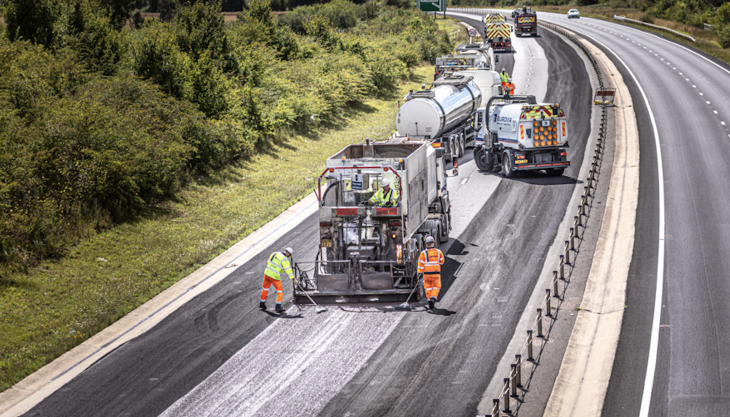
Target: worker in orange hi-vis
{"type": "Point", "coordinates": [510, 88]}
{"type": "Point", "coordinates": [429, 264]}
{"type": "Point", "coordinates": [279, 262]}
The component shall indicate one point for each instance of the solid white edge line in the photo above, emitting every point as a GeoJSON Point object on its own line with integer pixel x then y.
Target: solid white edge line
{"type": "Point", "coordinates": [654, 341]}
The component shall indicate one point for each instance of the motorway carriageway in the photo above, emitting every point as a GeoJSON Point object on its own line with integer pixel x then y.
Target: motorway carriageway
{"type": "Point", "coordinates": [219, 355]}
{"type": "Point", "coordinates": [672, 359]}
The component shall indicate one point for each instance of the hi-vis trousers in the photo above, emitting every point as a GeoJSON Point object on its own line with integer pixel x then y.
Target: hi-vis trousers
{"type": "Point", "coordinates": [432, 284]}
{"type": "Point", "coordinates": [268, 282]}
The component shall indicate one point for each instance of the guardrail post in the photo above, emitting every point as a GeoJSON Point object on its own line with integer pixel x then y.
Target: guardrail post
{"type": "Point", "coordinates": [505, 397]}
{"type": "Point", "coordinates": [562, 267]}
{"type": "Point", "coordinates": [572, 238]}
{"type": "Point", "coordinates": [567, 252]}
{"type": "Point", "coordinates": [530, 357]}
{"type": "Point", "coordinates": [495, 408]}
{"type": "Point", "coordinates": [518, 378]}
{"type": "Point", "coordinates": [549, 312]}
{"type": "Point", "coordinates": [555, 282]}
{"type": "Point", "coordinates": [539, 323]}
{"type": "Point", "coordinates": [513, 382]}
{"type": "Point", "coordinates": [579, 216]}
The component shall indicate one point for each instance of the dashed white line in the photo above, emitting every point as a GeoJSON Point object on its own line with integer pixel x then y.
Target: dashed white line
{"type": "Point", "coordinates": [694, 86]}
{"type": "Point", "coordinates": [714, 111]}
{"type": "Point", "coordinates": [687, 79]}
{"type": "Point", "coordinates": [722, 123]}
{"type": "Point", "coordinates": [707, 102]}
{"type": "Point", "coordinates": [701, 94]}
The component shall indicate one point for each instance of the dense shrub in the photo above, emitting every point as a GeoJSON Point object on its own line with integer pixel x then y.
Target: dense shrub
{"type": "Point", "coordinates": [100, 123]}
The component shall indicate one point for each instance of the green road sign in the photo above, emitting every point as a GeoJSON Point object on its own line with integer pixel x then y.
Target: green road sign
{"type": "Point", "coordinates": [431, 5]}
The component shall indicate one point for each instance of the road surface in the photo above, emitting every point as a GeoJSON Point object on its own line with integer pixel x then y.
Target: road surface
{"type": "Point", "coordinates": [219, 355]}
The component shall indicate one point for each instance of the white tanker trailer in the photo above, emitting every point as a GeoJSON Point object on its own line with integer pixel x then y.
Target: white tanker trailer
{"type": "Point", "coordinates": [442, 114]}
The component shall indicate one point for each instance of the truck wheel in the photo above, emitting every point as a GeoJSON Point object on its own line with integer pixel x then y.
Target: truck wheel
{"type": "Point", "coordinates": [480, 159]}
{"type": "Point", "coordinates": [507, 166]}
{"type": "Point", "coordinates": [555, 172]}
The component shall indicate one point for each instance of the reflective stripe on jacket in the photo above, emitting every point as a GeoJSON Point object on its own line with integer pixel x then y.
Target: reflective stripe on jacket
{"type": "Point", "coordinates": [278, 263]}
{"type": "Point", "coordinates": [384, 199]}
{"type": "Point", "coordinates": [430, 261]}
{"type": "Point", "coordinates": [504, 77]}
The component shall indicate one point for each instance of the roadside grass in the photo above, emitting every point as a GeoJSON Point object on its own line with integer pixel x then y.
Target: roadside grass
{"type": "Point", "coordinates": [706, 40]}
{"type": "Point", "coordinates": [451, 24]}
{"type": "Point", "coordinates": [59, 304]}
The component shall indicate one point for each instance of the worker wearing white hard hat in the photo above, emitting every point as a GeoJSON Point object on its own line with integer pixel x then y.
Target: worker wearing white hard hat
{"type": "Point", "coordinates": [385, 196]}
{"type": "Point", "coordinates": [423, 87]}
{"type": "Point", "coordinates": [278, 262]}
{"type": "Point", "coordinates": [429, 264]}
{"type": "Point", "coordinates": [503, 76]}
{"type": "Point", "coordinates": [509, 88]}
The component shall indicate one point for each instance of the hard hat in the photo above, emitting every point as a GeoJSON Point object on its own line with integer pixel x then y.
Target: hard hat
{"type": "Point", "coordinates": [384, 182]}
{"type": "Point", "coordinates": [290, 251]}
{"type": "Point", "coordinates": [423, 85]}
{"type": "Point", "coordinates": [510, 80]}
{"type": "Point", "coordinates": [430, 239]}
{"type": "Point", "coordinates": [503, 69]}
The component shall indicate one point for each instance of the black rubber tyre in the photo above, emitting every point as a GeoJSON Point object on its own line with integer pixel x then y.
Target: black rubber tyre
{"type": "Point", "coordinates": [480, 159]}
{"type": "Point", "coordinates": [507, 166]}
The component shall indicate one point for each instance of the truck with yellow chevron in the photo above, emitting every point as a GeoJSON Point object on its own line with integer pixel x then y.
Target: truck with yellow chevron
{"type": "Point", "coordinates": [515, 133]}
{"type": "Point", "coordinates": [497, 34]}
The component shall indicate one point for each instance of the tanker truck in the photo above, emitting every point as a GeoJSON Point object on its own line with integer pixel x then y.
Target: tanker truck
{"type": "Point", "coordinates": [443, 114]}
{"type": "Point", "coordinates": [518, 134]}
{"type": "Point", "coordinates": [473, 55]}
{"type": "Point", "coordinates": [367, 253]}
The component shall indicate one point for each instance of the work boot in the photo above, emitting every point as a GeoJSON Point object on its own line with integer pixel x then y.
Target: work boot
{"type": "Point", "coordinates": [279, 308]}
{"type": "Point", "coordinates": [431, 302]}
{"type": "Point", "coordinates": [262, 305]}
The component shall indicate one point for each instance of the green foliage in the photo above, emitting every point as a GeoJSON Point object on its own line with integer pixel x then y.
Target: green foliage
{"type": "Point", "coordinates": [32, 20]}
{"type": "Point", "coordinates": [120, 10]}
{"type": "Point", "coordinates": [723, 14]}
{"type": "Point", "coordinates": [723, 37]}
{"type": "Point", "coordinates": [157, 56]}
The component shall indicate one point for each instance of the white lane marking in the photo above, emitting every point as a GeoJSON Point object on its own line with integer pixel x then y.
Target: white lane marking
{"type": "Point", "coordinates": [722, 123]}
{"type": "Point", "coordinates": [687, 79]}
{"type": "Point", "coordinates": [674, 68]}
{"type": "Point", "coordinates": [714, 111]}
{"type": "Point", "coordinates": [701, 94]}
{"type": "Point", "coordinates": [654, 341]}
{"type": "Point", "coordinates": [694, 86]}
{"type": "Point", "coordinates": [707, 102]}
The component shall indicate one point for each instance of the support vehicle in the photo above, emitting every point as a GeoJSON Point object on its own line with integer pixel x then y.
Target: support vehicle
{"type": "Point", "coordinates": [497, 34]}
{"type": "Point", "coordinates": [518, 134]}
{"type": "Point", "coordinates": [444, 114]}
{"type": "Point", "coordinates": [370, 253]}
{"type": "Point", "coordinates": [473, 55]}
{"type": "Point", "coordinates": [525, 23]}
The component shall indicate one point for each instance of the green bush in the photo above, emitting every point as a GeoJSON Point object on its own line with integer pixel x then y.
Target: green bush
{"type": "Point", "coordinates": [723, 37]}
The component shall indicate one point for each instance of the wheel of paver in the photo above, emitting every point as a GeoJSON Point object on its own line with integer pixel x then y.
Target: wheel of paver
{"type": "Point", "coordinates": [507, 166]}
{"type": "Point", "coordinates": [480, 159]}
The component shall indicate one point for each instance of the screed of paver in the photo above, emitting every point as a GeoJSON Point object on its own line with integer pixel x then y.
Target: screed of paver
{"type": "Point", "coordinates": [581, 385]}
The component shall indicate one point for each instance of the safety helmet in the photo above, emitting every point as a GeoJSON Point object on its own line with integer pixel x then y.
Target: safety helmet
{"type": "Point", "coordinates": [503, 70]}
{"type": "Point", "coordinates": [510, 80]}
{"type": "Point", "coordinates": [384, 182]}
{"type": "Point", "coordinates": [290, 251]}
{"type": "Point", "coordinates": [430, 239]}
{"type": "Point", "coordinates": [423, 85]}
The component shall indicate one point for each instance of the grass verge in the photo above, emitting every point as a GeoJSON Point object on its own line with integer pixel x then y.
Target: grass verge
{"type": "Point", "coordinates": [59, 304]}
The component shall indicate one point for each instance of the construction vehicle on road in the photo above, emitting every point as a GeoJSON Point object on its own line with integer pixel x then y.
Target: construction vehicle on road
{"type": "Point", "coordinates": [497, 34]}
{"type": "Point", "coordinates": [518, 134]}
{"type": "Point", "coordinates": [525, 22]}
{"type": "Point", "coordinates": [469, 56]}
{"type": "Point", "coordinates": [370, 253]}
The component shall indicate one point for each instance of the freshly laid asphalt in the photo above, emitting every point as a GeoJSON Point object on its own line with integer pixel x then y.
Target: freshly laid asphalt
{"type": "Point", "coordinates": [436, 363]}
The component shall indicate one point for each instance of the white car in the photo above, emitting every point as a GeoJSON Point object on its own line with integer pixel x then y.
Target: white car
{"type": "Point", "coordinates": [573, 13]}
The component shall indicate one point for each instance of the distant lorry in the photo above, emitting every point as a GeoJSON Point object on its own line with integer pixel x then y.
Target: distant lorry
{"type": "Point", "coordinates": [370, 253]}
{"type": "Point", "coordinates": [518, 134]}
{"type": "Point", "coordinates": [469, 56]}
{"type": "Point", "coordinates": [497, 34]}
{"type": "Point", "coordinates": [525, 22]}
{"type": "Point", "coordinates": [444, 114]}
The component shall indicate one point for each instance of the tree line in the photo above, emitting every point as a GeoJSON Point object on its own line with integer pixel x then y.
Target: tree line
{"type": "Point", "coordinates": [100, 121]}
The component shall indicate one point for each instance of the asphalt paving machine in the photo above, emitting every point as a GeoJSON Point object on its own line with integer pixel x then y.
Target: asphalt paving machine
{"type": "Point", "coordinates": [370, 253]}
